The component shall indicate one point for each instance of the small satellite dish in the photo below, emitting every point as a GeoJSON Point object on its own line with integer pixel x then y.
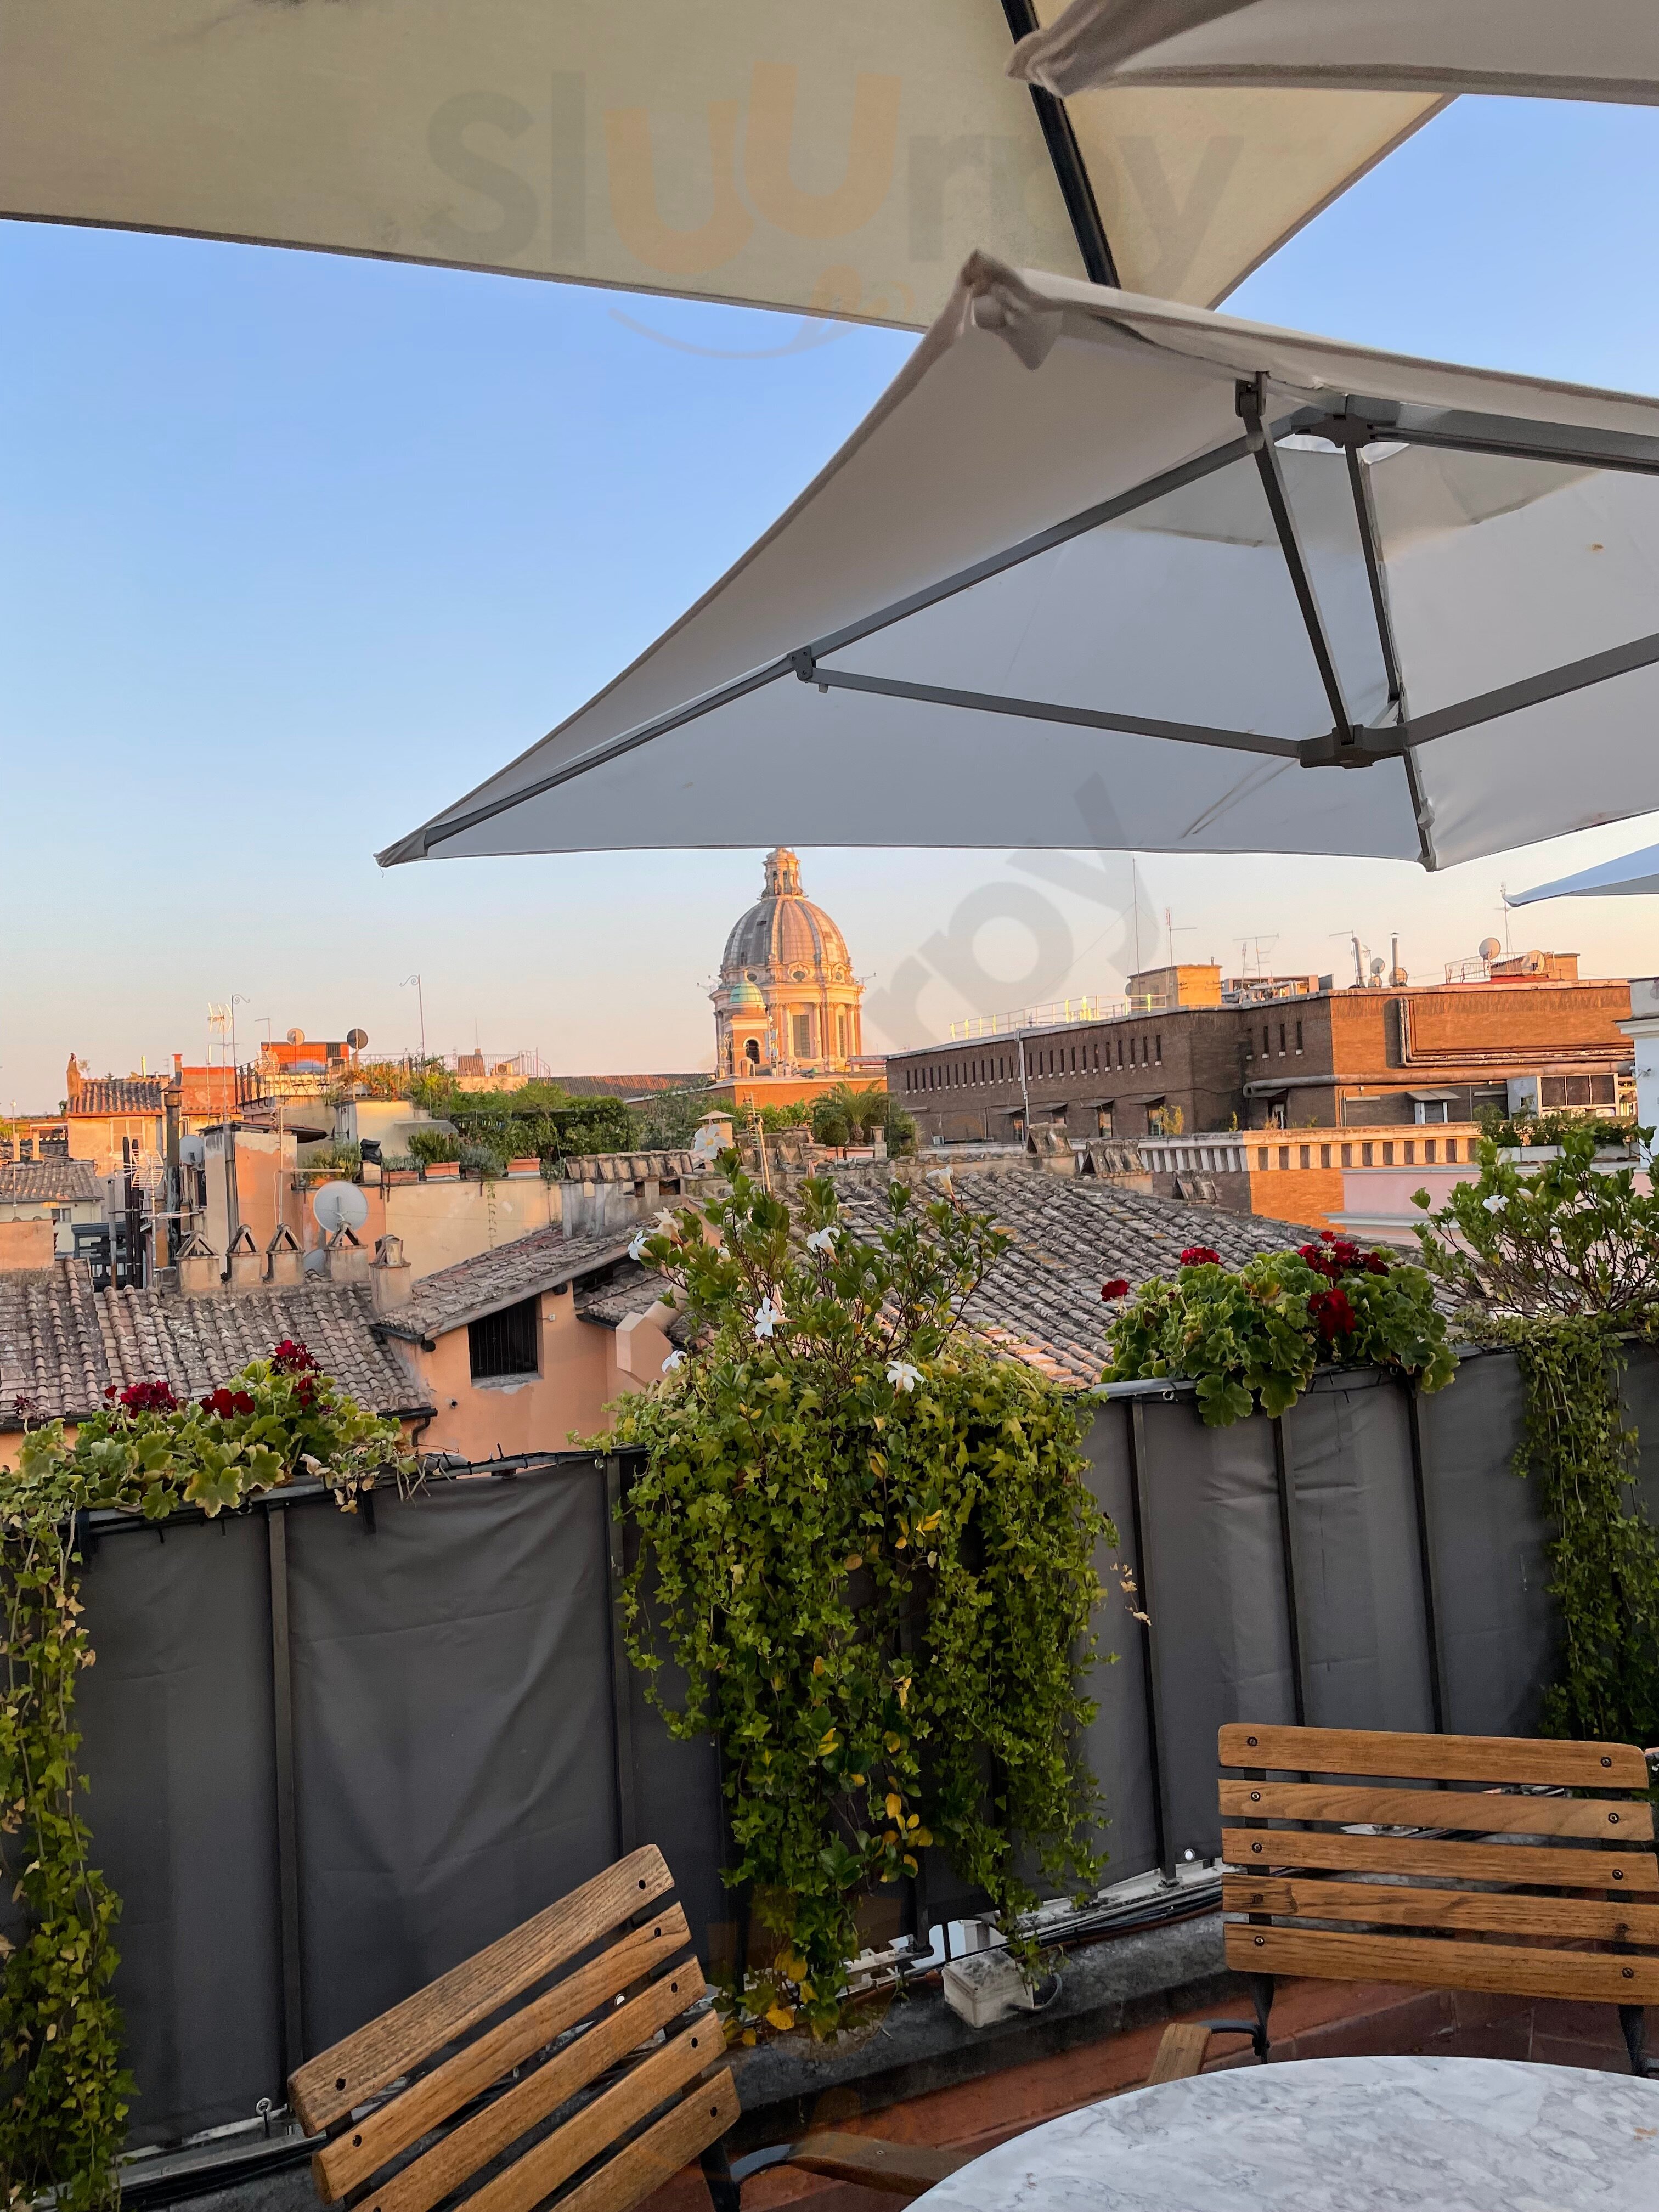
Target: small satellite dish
{"type": "Point", "coordinates": [356, 1039]}
{"type": "Point", "coordinates": [1489, 948]}
{"type": "Point", "coordinates": [338, 1206]}
{"type": "Point", "coordinates": [1377, 966]}
{"type": "Point", "coordinates": [296, 1036]}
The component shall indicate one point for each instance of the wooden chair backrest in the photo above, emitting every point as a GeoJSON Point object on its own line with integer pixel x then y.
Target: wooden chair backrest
{"type": "Point", "coordinates": [512, 2021]}
{"type": "Point", "coordinates": [1564, 1875]}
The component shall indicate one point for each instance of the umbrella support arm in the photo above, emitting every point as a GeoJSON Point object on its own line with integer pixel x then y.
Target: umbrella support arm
{"type": "Point", "coordinates": [1344, 735]}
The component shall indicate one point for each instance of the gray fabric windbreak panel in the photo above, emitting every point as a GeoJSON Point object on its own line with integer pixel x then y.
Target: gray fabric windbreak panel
{"type": "Point", "coordinates": [1214, 1585]}
{"type": "Point", "coordinates": [677, 1800]}
{"type": "Point", "coordinates": [1497, 1619]}
{"type": "Point", "coordinates": [454, 1758]}
{"type": "Point", "coordinates": [1117, 1744]}
{"type": "Point", "coordinates": [177, 1747]}
{"type": "Point", "coordinates": [1361, 1617]}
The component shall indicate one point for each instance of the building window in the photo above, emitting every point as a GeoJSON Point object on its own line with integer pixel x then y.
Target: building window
{"type": "Point", "coordinates": [1324, 1156]}
{"type": "Point", "coordinates": [1410, 1154]}
{"type": "Point", "coordinates": [1266, 1043]}
{"type": "Point", "coordinates": [1096, 1055]}
{"type": "Point", "coordinates": [1305, 1156]}
{"type": "Point", "coordinates": [1555, 1092]}
{"type": "Point", "coordinates": [1281, 1039]}
{"type": "Point", "coordinates": [751, 1052]}
{"type": "Point", "coordinates": [1451, 1152]}
{"type": "Point", "coordinates": [1429, 1150]}
{"type": "Point", "coordinates": [1387, 1155]}
{"type": "Point", "coordinates": [1284, 1154]}
{"type": "Point", "coordinates": [503, 1344]}
{"type": "Point", "coordinates": [1298, 1036]}
{"type": "Point", "coordinates": [60, 1214]}
{"type": "Point", "coordinates": [1365, 1156]}
{"type": "Point", "coordinates": [1103, 1120]}
{"type": "Point", "coordinates": [1158, 1048]}
{"type": "Point", "coordinates": [840, 1035]}
{"type": "Point", "coordinates": [1262, 1156]}
{"type": "Point", "coordinates": [1432, 1109]}
{"type": "Point", "coordinates": [1347, 1156]}
{"type": "Point", "coordinates": [802, 1027]}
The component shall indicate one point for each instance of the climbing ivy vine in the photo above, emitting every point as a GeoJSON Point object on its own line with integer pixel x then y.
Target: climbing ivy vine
{"type": "Point", "coordinates": [63, 2090]}
{"type": "Point", "coordinates": [1560, 1262]}
{"type": "Point", "coordinates": [866, 1546]}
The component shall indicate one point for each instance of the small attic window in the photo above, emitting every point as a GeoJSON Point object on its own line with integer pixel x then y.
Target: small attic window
{"type": "Point", "coordinates": [503, 1344]}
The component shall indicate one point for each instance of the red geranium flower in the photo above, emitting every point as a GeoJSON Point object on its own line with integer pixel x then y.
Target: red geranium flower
{"type": "Point", "coordinates": [1117, 1288]}
{"type": "Point", "coordinates": [1199, 1256]}
{"type": "Point", "coordinates": [149, 1398]}
{"type": "Point", "coordinates": [291, 1359]}
{"type": "Point", "coordinates": [1333, 1313]}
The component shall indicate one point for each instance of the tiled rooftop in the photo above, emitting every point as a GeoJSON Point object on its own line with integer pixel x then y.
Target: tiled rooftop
{"type": "Point", "coordinates": [546, 1261]}
{"type": "Point", "coordinates": [1041, 1301]}
{"type": "Point", "coordinates": [630, 1291]}
{"type": "Point", "coordinates": [60, 1182]}
{"type": "Point", "coordinates": [121, 1094]}
{"type": "Point", "coordinates": [61, 1342]}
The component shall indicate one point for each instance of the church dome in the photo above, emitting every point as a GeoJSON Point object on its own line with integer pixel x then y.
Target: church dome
{"type": "Point", "coordinates": [782, 931]}
{"type": "Point", "coordinates": [745, 998]}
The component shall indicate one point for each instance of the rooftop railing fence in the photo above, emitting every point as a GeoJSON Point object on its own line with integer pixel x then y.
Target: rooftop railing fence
{"type": "Point", "coordinates": [330, 1756]}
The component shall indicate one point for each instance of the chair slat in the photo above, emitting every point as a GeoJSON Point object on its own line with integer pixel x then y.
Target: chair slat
{"type": "Point", "coordinates": [1180, 2050]}
{"type": "Point", "coordinates": [1572, 1918]}
{"type": "Point", "coordinates": [464, 2149]}
{"type": "Point", "coordinates": [658, 2155]}
{"type": "Point", "coordinates": [898, 2169]}
{"type": "Point", "coordinates": [351, 2071]}
{"type": "Point", "coordinates": [592, 2131]}
{"type": "Point", "coordinates": [1474, 1810]}
{"type": "Point", "coordinates": [1433, 1757]}
{"type": "Point", "coordinates": [1422, 1960]}
{"type": "Point", "coordinates": [1552, 1866]}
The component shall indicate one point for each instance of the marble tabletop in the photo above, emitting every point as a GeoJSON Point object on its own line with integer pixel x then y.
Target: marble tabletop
{"type": "Point", "coordinates": [1337, 2135]}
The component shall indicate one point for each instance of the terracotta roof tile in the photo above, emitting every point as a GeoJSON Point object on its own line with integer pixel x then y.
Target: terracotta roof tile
{"type": "Point", "coordinates": [40, 1182]}
{"type": "Point", "coordinates": [545, 1261]}
{"type": "Point", "coordinates": [61, 1342]}
{"type": "Point", "coordinates": [120, 1094]}
{"type": "Point", "coordinates": [1041, 1301]}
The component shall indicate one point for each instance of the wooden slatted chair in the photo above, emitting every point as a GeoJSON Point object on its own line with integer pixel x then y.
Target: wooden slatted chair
{"type": "Point", "coordinates": [421, 2080]}
{"type": "Point", "coordinates": [1490, 1887]}
{"type": "Point", "coordinates": [472, 2101]}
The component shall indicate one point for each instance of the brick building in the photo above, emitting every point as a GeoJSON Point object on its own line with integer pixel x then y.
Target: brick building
{"type": "Point", "coordinates": [1185, 1051]}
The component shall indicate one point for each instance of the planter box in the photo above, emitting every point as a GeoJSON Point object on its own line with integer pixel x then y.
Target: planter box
{"type": "Point", "coordinates": [531, 1166]}
{"type": "Point", "coordinates": [443, 1172]}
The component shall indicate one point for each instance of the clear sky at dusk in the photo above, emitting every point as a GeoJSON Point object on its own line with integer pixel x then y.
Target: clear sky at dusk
{"type": "Point", "coordinates": [296, 548]}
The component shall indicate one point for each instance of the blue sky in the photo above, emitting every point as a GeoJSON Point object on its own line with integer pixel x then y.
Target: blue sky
{"type": "Point", "coordinates": [295, 548]}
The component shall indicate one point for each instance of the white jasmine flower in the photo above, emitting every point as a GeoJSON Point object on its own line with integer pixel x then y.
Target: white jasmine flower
{"type": "Point", "coordinates": [902, 1375]}
{"type": "Point", "coordinates": [664, 1220]}
{"type": "Point", "coordinates": [823, 1240]}
{"type": "Point", "coordinates": [673, 1363]}
{"type": "Point", "coordinates": [636, 1250]}
{"type": "Point", "coordinates": [767, 1318]}
{"type": "Point", "coordinates": [1495, 1205]}
{"type": "Point", "coordinates": [941, 1176]}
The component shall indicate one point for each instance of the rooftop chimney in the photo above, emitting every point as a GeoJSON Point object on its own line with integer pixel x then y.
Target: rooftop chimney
{"type": "Point", "coordinates": [198, 1267]}
{"type": "Point", "coordinates": [285, 1263]}
{"type": "Point", "coordinates": [390, 1276]}
{"type": "Point", "coordinates": [247, 1267]}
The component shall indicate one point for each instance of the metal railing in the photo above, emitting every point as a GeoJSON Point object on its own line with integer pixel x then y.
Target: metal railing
{"type": "Point", "coordinates": [1057, 1013]}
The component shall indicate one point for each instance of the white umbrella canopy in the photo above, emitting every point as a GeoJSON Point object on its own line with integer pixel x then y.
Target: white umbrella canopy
{"type": "Point", "coordinates": [1104, 571]}
{"type": "Point", "coordinates": [1592, 50]}
{"type": "Point", "coordinates": [837, 160]}
{"type": "Point", "coordinates": [1634, 876]}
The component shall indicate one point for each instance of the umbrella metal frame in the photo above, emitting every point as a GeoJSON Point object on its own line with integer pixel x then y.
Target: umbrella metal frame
{"type": "Point", "coordinates": [1396, 733]}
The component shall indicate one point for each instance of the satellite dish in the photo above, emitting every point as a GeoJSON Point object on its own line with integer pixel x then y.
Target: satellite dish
{"type": "Point", "coordinates": [356, 1039]}
{"type": "Point", "coordinates": [1489, 948]}
{"type": "Point", "coordinates": [1377, 966]}
{"type": "Point", "coordinates": [296, 1036]}
{"type": "Point", "coordinates": [338, 1206]}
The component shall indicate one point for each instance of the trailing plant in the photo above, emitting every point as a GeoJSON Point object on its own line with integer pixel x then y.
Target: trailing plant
{"type": "Point", "coordinates": [1561, 1263]}
{"type": "Point", "coordinates": [61, 2088]}
{"type": "Point", "coordinates": [1255, 1335]}
{"type": "Point", "coordinates": [867, 1546]}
